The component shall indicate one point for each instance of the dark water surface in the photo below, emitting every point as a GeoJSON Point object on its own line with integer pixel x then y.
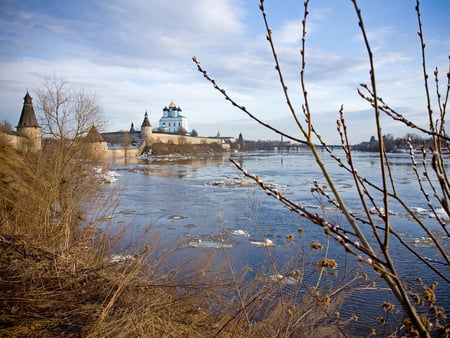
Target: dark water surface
{"type": "Point", "coordinates": [207, 199]}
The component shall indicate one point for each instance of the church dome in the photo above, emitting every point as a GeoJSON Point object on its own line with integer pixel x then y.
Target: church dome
{"type": "Point", "coordinates": [172, 105]}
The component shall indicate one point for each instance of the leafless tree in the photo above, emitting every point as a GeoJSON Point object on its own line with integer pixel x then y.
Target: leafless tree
{"type": "Point", "coordinates": [67, 113]}
{"type": "Point", "coordinates": [6, 126]}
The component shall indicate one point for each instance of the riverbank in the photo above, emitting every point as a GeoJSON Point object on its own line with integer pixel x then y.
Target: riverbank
{"type": "Point", "coordinates": [61, 274]}
{"type": "Point", "coordinates": [162, 149]}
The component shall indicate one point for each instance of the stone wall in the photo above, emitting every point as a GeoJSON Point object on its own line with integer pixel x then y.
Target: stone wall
{"type": "Point", "coordinates": [122, 153]}
{"type": "Point", "coordinates": [23, 143]}
{"type": "Point", "coordinates": [181, 139]}
{"type": "Point", "coordinates": [11, 139]}
{"type": "Point", "coordinates": [102, 150]}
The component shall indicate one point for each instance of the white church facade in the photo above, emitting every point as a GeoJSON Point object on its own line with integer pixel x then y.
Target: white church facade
{"type": "Point", "coordinates": [172, 120]}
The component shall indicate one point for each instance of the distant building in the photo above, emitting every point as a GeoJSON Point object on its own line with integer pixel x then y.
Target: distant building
{"type": "Point", "coordinates": [172, 120]}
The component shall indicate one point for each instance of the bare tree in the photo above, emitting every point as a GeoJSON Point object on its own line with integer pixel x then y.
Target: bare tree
{"type": "Point", "coordinates": [371, 236]}
{"type": "Point", "coordinates": [6, 126]}
{"type": "Point", "coordinates": [67, 113]}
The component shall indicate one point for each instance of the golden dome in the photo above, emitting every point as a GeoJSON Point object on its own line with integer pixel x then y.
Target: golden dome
{"type": "Point", "coordinates": [172, 105]}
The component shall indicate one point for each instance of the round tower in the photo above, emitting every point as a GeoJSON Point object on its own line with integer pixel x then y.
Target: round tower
{"type": "Point", "coordinates": [28, 128]}
{"type": "Point", "coordinates": [96, 145]}
{"type": "Point", "coordinates": [146, 130]}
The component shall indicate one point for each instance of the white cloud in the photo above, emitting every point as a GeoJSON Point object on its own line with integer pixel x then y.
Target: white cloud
{"type": "Point", "coordinates": [136, 55]}
{"type": "Point", "coordinates": [290, 33]}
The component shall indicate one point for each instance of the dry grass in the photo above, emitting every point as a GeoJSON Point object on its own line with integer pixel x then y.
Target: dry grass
{"type": "Point", "coordinates": [58, 279]}
{"type": "Point", "coordinates": [57, 276]}
{"type": "Point", "coordinates": [45, 294]}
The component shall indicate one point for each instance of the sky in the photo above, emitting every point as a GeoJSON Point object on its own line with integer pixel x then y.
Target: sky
{"type": "Point", "coordinates": [136, 56]}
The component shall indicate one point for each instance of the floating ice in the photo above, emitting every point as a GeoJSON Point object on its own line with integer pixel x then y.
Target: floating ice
{"type": "Point", "coordinates": [109, 176]}
{"type": "Point", "coordinates": [120, 258]}
{"type": "Point", "coordinates": [283, 279]}
{"type": "Point", "coordinates": [267, 243]}
{"type": "Point", "coordinates": [209, 244]}
{"type": "Point", "coordinates": [244, 233]}
{"type": "Point", "coordinates": [441, 214]}
{"type": "Point", "coordinates": [419, 210]}
{"type": "Point", "coordinates": [177, 217]}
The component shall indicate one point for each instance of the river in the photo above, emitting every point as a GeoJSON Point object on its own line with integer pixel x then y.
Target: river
{"type": "Point", "coordinates": [207, 202]}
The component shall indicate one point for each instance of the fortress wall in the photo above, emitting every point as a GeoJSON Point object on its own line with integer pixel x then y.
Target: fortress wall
{"type": "Point", "coordinates": [181, 139]}
{"type": "Point", "coordinates": [27, 142]}
{"type": "Point", "coordinates": [121, 153]}
{"type": "Point", "coordinates": [12, 140]}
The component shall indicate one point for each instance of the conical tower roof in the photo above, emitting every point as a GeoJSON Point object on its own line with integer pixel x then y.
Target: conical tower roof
{"type": "Point", "coordinates": [146, 122]}
{"type": "Point", "coordinates": [27, 117]}
{"type": "Point", "coordinates": [94, 135]}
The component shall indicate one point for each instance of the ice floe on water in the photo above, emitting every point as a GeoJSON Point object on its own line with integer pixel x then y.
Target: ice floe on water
{"type": "Point", "coordinates": [286, 280]}
{"type": "Point", "coordinates": [224, 240]}
{"type": "Point", "coordinates": [116, 258]}
{"type": "Point", "coordinates": [380, 211]}
{"type": "Point", "coordinates": [240, 232]}
{"type": "Point", "coordinates": [266, 243]}
{"type": "Point", "coordinates": [242, 181]}
{"type": "Point", "coordinates": [422, 242]}
{"type": "Point", "coordinates": [419, 210]}
{"type": "Point", "coordinates": [426, 241]}
{"type": "Point", "coordinates": [231, 183]}
{"type": "Point", "coordinates": [209, 244]}
{"type": "Point", "coordinates": [177, 217]}
{"type": "Point", "coordinates": [108, 176]}
{"type": "Point", "coordinates": [441, 214]}
{"type": "Point", "coordinates": [213, 241]}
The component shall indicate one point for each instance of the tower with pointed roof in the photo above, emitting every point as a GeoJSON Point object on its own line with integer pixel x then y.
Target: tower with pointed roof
{"type": "Point", "coordinates": [146, 130]}
{"type": "Point", "coordinates": [28, 128]}
{"type": "Point", "coordinates": [95, 143]}
{"type": "Point", "coordinates": [172, 120]}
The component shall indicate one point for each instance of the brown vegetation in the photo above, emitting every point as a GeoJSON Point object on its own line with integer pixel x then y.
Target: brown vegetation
{"type": "Point", "coordinates": [58, 278]}
{"type": "Point", "coordinates": [185, 149]}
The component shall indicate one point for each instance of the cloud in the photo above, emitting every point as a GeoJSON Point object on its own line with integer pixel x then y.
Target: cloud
{"type": "Point", "coordinates": [290, 33]}
{"type": "Point", "coordinates": [136, 55]}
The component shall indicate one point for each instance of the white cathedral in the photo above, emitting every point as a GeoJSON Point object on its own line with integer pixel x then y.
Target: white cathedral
{"type": "Point", "coordinates": [172, 120]}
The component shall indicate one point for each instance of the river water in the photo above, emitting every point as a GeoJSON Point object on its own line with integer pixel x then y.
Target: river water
{"type": "Point", "coordinates": [207, 202]}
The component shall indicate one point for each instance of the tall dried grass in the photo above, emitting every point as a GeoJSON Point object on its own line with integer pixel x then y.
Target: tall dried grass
{"type": "Point", "coordinates": [58, 278]}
